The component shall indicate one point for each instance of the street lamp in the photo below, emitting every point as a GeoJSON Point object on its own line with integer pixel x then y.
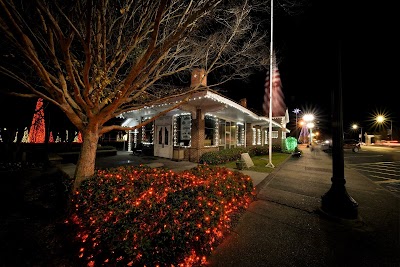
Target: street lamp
{"type": "Point", "coordinates": [309, 120]}
{"type": "Point", "coordinates": [310, 126]}
{"type": "Point", "coordinates": [355, 127]}
{"type": "Point", "coordinates": [382, 119]}
{"type": "Point", "coordinates": [303, 132]}
{"type": "Point", "coordinates": [296, 111]}
{"type": "Point", "coordinates": [337, 203]}
{"type": "Point", "coordinates": [317, 136]}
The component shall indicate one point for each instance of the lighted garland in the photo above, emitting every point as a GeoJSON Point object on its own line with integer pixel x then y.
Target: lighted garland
{"type": "Point", "coordinates": [258, 136]}
{"type": "Point", "coordinates": [216, 132]}
{"type": "Point", "coordinates": [265, 137]}
{"type": "Point", "coordinates": [175, 127]}
{"type": "Point", "coordinates": [254, 136]}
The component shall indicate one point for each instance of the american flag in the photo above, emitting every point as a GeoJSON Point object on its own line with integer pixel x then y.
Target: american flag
{"type": "Point", "coordinates": [278, 103]}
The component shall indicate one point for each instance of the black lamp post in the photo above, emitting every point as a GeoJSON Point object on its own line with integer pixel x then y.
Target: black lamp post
{"type": "Point", "coordinates": [337, 203]}
{"type": "Point", "coordinates": [296, 111]}
{"type": "Point", "coordinates": [355, 127]}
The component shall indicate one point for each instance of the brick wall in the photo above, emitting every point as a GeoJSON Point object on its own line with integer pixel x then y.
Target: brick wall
{"type": "Point", "coordinates": [249, 135]}
{"type": "Point", "coordinates": [197, 136]}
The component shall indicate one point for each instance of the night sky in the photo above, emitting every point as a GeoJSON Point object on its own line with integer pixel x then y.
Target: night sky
{"type": "Point", "coordinates": [307, 48]}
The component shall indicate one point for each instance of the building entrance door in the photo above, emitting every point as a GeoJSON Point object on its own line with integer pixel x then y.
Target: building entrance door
{"type": "Point", "coordinates": [162, 143]}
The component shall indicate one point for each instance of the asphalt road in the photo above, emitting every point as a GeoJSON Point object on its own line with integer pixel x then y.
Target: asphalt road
{"type": "Point", "coordinates": [381, 164]}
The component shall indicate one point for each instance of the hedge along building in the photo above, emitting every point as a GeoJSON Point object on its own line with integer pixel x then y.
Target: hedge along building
{"type": "Point", "coordinates": [207, 122]}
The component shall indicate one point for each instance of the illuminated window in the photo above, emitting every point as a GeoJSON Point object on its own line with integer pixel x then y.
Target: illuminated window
{"type": "Point", "coordinates": [229, 139]}
{"type": "Point", "coordinates": [147, 132]}
{"type": "Point", "coordinates": [233, 134]}
{"type": "Point", "coordinates": [210, 131]}
{"type": "Point", "coordinates": [221, 132]}
{"type": "Point", "coordinates": [182, 130]}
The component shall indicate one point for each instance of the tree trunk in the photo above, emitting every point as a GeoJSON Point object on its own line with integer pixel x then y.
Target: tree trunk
{"type": "Point", "coordinates": [87, 157]}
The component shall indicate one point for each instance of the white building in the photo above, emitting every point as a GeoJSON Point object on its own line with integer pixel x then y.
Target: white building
{"type": "Point", "coordinates": [207, 122]}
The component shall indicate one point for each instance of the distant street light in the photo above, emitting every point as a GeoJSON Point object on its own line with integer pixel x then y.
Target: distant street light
{"type": "Point", "coordinates": [296, 111]}
{"type": "Point", "coordinates": [382, 119]}
{"type": "Point", "coordinates": [309, 120]}
{"type": "Point", "coordinates": [355, 127]}
{"type": "Point", "coordinates": [310, 126]}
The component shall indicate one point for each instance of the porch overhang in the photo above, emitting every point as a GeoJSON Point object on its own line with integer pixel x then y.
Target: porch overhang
{"type": "Point", "coordinates": [209, 102]}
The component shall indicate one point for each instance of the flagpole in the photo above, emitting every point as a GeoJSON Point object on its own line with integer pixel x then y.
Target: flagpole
{"type": "Point", "coordinates": [270, 87]}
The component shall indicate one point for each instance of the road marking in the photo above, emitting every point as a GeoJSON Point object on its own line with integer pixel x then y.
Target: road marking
{"type": "Point", "coordinates": [388, 181]}
{"type": "Point", "coordinates": [396, 174]}
{"type": "Point", "coordinates": [385, 173]}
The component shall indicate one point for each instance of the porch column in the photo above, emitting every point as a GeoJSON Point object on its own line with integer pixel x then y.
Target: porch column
{"type": "Point", "coordinates": [249, 135]}
{"type": "Point", "coordinates": [197, 136]}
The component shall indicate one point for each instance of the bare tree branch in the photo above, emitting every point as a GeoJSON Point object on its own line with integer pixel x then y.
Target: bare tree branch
{"type": "Point", "coordinates": [97, 59]}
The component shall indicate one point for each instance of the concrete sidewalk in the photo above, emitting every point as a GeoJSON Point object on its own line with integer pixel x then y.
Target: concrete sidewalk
{"type": "Point", "coordinates": [127, 158]}
{"type": "Point", "coordinates": [283, 227]}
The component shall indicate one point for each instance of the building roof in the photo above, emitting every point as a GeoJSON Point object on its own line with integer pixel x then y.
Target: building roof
{"type": "Point", "coordinates": [210, 102]}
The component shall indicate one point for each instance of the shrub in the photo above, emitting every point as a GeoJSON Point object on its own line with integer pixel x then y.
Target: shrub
{"type": "Point", "coordinates": [143, 216]}
{"type": "Point", "coordinates": [258, 150]}
{"type": "Point", "coordinates": [233, 154]}
{"type": "Point", "coordinates": [222, 156]}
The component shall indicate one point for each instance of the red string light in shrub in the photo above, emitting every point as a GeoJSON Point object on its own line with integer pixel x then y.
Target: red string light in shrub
{"type": "Point", "coordinates": [194, 209]}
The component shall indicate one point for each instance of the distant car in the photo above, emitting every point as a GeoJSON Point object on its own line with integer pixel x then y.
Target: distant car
{"type": "Point", "coordinates": [352, 144]}
{"type": "Point", "coordinates": [326, 145]}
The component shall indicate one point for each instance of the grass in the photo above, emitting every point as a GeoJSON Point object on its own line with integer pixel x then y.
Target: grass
{"type": "Point", "coordinates": [260, 162]}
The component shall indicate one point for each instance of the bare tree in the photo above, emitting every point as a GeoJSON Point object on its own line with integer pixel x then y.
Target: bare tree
{"type": "Point", "coordinates": [96, 59]}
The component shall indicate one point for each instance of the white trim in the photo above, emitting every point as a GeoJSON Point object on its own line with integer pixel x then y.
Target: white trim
{"type": "Point", "coordinates": [257, 120]}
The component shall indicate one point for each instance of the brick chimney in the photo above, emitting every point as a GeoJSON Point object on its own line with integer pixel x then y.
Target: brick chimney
{"type": "Point", "coordinates": [243, 102]}
{"type": "Point", "coordinates": [198, 77]}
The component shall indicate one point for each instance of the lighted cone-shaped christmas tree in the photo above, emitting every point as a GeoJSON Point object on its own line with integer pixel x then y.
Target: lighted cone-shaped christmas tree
{"type": "Point", "coordinates": [37, 130]}
{"type": "Point", "coordinates": [303, 138]}
{"type": "Point", "coordinates": [78, 138]}
{"type": "Point", "coordinates": [25, 139]}
{"type": "Point", "coordinates": [51, 138]}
